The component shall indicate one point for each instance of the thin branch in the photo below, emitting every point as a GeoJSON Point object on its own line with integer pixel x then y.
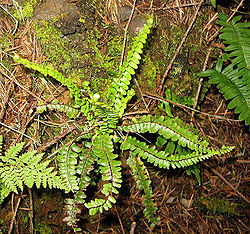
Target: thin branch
{"type": "Point", "coordinates": [14, 215]}
{"type": "Point", "coordinates": [200, 83]}
{"type": "Point", "coordinates": [126, 32]}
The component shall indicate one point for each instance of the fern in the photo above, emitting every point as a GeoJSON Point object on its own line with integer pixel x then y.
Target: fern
{"type": "Point", "coordinates": [71, 112]}
{"type": "Point", "coordinates": [17, 170]}
{"type": "Point", "coordinates": [234, 80]}
{"type": "Point", "coordinates": [103, 132]}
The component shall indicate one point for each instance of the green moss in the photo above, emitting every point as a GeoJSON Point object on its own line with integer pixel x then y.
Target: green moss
{"type": "Point", "coordinates": [217, 206]}
{"type": "Point", "coordinates": [83, 60]}
{"type": "Point", "coordinates": [148, 73]}
{"type": "Point", "coordinates": [26, 9]}
{"type": "Point", "coordinates": [41, 228]}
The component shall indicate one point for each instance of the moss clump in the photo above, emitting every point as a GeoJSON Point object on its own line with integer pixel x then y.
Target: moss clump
{"type": "Point", "coordinates": [26, 9]}
{"type": "Point", "coordinates": [217, 206]}
{"type": "Point", "coordinates": [148, 74]}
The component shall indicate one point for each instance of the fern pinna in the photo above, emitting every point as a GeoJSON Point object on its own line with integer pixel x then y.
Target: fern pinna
{"type": "Point", "coordinates": [103, 130]}
{"type": "Point", "coordinates": [233, 80]}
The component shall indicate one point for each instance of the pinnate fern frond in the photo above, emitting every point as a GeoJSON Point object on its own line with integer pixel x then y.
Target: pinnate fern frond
{"type": "Point", "coordinates": [71, 112]}
{"type": "Point", "coordinates": [143, 182]}
{"type": "Point", "coordinates": [170, 128]}
{"type": "Point", "coordinates": [120, 93]}
{"type": "Point", "coordinates": [75, 92]}
{"type": "Point", "coordinates": [234, 80]}
{"type": "Point", "coordinates": [17, 170]}
{"type": "Point", "coordinates": [110, 170]}
{"type": "Point", "coordinates": [164, 160]}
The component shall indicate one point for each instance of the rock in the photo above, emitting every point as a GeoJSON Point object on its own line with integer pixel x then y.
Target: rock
{"type": "Point", "coordinates": [66, 15]}
{"type": "Point", "coordinates": [124, 13]}
{"type": "Point", "coordinates": [186, 203]}
{"type": "Point", "coordinates": [137, 24]}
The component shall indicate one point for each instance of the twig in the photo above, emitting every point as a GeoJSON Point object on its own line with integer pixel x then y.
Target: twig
{"type": "Point", "coordinates": [120, 221]}
{"type": "Point", "coordinates": [14, 215]}
{"type": "Point", "coordinates": [15, 130]}
{"type": "Point", "coordinates": [143, 99]}
{"type": "Point", "coordinates": [126, 32]}
{"type": "Point", "coordinates": [200, 83]}
{"type": "Point", "coordinates": [31, 212]}
{"type": "Point", "coordinates": [160, 89]}
{"type": "Point", "coordinates": [186, 107]}
{"type": "Point", "coordinates": [18, 84]}
{"type": "Point", "coordinates": [6, 100]}
{"type": "Point", "coordinates": [47, 145]}
{"type": "Point", "coordinates": [208, 227]}
{"type": "Point", "coordinates": [231, 186]}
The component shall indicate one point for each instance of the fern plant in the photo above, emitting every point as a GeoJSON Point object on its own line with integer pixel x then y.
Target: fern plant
{"type": "Point", "coordinates": [233, 79]}
{"type": "Point", "coordinates": [17, 170]}
{"type": "Point", "coordinates": [103, 131]}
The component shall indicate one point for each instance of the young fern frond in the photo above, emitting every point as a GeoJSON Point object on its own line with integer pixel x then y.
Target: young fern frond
{"type": "Point", "coordinates": [234, 80]}
{"type": "Point", "coordinates": [17, 170]}
{"type": "Point", "coordinates": [110, 171]}
{"type": "Point", "coordinates": [143, 182]}
{"type": "Point", "coordinates": [120, 93]}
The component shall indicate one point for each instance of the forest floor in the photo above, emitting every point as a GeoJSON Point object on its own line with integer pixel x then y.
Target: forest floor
{"type": "Point", "coordinates": [220, 204]}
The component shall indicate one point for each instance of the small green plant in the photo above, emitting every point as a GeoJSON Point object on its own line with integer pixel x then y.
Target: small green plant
{"type": "Point", "coordinates": [232, 72]}
{"type": "Point", "coordinates": [103, 131]}
{"type": "Point", "coordinates": [17, 170]}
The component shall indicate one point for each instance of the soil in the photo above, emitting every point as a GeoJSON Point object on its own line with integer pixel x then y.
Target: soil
{"type": "Point", "coordinates": [219, 204]}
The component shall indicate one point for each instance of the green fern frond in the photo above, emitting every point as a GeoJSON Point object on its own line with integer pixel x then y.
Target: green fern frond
{"type": "Point", "coordinates": [71, 112]}
{"type": "Point", "coordinates": [237, 36]}
{"type": "Point", "coordinates": [170, 128]}
{"type": "Point", "coordinates": [83, 168]}
{"type": "Point", "coordinates": [164, 160]}
{"type": "Point", "coordinates": [234, 80]}
{"type": "Point", "coordinates": [110, 170]}
{"type": "Point", "coordinates": [67, 158]}
{"type": "Point", "coordinates": [120, 85]}
{"type": "Point", "coordinates": [27, 169]}
{"type": "Point", "coordinates": [49, 71]}
{"type": "Point", "coordinates": [143, 182]}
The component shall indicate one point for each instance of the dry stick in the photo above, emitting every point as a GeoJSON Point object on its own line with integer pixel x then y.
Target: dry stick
{"type": "Point", "coordinates": [14, 215]}
{"type": "Point", "coordinates": [31, 212]}
{"type": "Point", "coordinates": [47, 145]}
{"type": "Point", "coordinates": [5, 103]}
{"type": "Point", "coordinates": [120, 221]}
{"type": "Point", "coordinates": [126, 32]}
{"type": "Point", "coordinates": [143, 99]}
{"type": "Point", "coordinates": [231, 16]}
{"type": "Point", "coordinates": [200, 83]}
{"type": "Point", "coordinates": [231, 186]}
{"type": "Point", "coordinates": [18, 84]}
{"type": "Point", "coordinates": [160, 90]}
{"type": "Point", "coordinates": [185, 107]}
